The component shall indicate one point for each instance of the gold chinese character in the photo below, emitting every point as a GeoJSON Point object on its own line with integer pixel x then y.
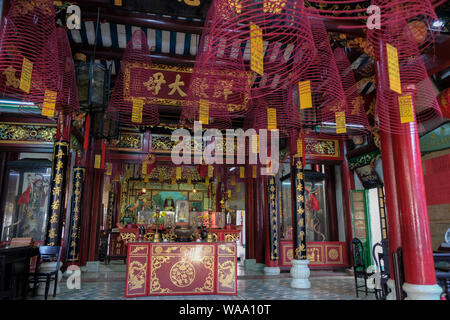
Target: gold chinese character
{"type": "Point", "coordinates": [154, 84]}
{"type": "Point", "coordinates": [52, 233]}
{"type": "Point", "coordinates": [11, 80]}
{"type": "Point", "coordinates": [176, 86]}
{"type": "Point", "coordinates": [55, 205]}
{"type": "Point", "coordinates": [60, 153]}
{"type": "Point", "coordinates": [223, 88]}
{"type": "Point", "coordinates": [199, 86]}
{"type": "Point", "coordinates": [56, 191]}
{"type": "Point", "coordinates": [54, 218]}
{"type": "Point", "coordinates": [58, 178]}
{"type": "Point", "coordinates": [59, 165]}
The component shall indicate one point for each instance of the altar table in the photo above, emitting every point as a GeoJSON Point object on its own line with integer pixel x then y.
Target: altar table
{"type": "Point", "coordinates": [181, 268]}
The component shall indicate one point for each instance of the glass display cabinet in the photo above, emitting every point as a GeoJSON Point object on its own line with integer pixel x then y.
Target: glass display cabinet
{"type": "Point", "coordinates": [25, 197]}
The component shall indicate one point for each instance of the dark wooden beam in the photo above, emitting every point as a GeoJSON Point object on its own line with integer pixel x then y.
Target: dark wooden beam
{"type": "Point", "coordinates": [104, 53]}
{"type": "Point", "coordinates": [139, 19]}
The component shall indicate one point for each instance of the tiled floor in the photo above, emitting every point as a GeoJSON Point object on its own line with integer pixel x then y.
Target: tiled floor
{"type": "Point", "coordinates": [109, 284]}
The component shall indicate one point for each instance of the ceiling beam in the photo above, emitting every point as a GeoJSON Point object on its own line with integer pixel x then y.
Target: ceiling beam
{"type": "Point", "coordinates": [104, 53]}
{"type": "Point", "coordinates": [139, 19]}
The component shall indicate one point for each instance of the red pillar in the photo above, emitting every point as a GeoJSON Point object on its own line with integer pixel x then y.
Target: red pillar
{"type": "Point", "coordinates": [258, 221]}
{"type": "Point", "coordinates": [393, 214]}
{"type": "Point", "coordinates": [249, 214]}
{"type": "Point", "coordinates": [415, 230]}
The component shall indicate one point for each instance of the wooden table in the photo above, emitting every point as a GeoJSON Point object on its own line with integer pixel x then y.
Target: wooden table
{"type": "Point", "coordinates": [181, 268]}
{"type": "Point", "coordinates": [14, 268]}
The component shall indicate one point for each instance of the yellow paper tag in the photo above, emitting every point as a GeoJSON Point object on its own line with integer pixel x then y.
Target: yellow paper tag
{"type": "Point", "coordinates": [25, 77]}
{"type": "Point", "coordinates": [238, 187]}
{"type": "Point", "coordinates": [207, 181]}
{"type": "Point", "coordinates": [256, 49]}
{"type": "Point", "coordinates": [405, 108]}
{"type": "Point", "coordinates": [233, 180]}
{"type": "Point", "coordinates": [178, 173]}
{"type": "Point", "coordinates": [304, 93]}
{"type": "Point", "coordinates": [210, 171]}
{"type": "Point", "coordinates": [136, 113]}
{"type": "Point", "coordinates": [229, 193]}
{"type": "Point", "coordinates": [118, 3]}
{"type": "Point", "coordinates": [340, 122]}
{"type": "Point", "coordinates": [271, 119]}
{"type": "Point", "coordinates": [203, 116]}
{"type": "Point", "coordinates": [242, 172]}
{"type": "Point", "coordinates": [144, 168]}
{"type": "Point", "coordinates": [97, 161]}
{"type": "Point", "coordinates": [108, 168]}
{"type": "Point", "coordinates": [48, 106]}
{"type": "Point", "coordinates": [254, 172]}
{"type": "Point", "coordinates": [299, 148]}
{"type": "Point", "coordinates": [394, 71]}
{"type": "Point", "coordinates": [174, 181]}
{"type": "Point", "coordinates": [189, 180]}
{"type": "Point", "coordinates": [255, 143]}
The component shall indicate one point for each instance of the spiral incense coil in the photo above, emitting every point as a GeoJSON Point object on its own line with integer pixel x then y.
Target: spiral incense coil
{"type": "Point", "coordinates": [133, 99]}
{"type": "Point", "coordinates": [29, 52]}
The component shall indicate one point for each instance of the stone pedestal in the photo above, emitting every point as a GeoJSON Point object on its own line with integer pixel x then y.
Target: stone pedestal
{"type": "Point", "coordinates": [422, 292]}
{"type": "Point", "coordinates": [48, 267]}
{"type": "Point", "coordinates": [271, 271]}
{"type": "Point", "coordinates": [300, 274]}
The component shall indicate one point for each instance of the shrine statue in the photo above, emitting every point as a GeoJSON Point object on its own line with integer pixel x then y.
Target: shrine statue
{"type": "Point", "coordinates": [169, 205]}
{"type": "Point", "coordinates": [140, 205]}
{"type": "Point", "coordinates": [182, 212]}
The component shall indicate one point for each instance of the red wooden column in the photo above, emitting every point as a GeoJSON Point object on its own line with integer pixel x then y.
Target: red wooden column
{"type": "Point", "coordinates": [391, 199]}
{"type": "Point", "coordinates": [420, 277]}
{"type": "Point", "coordinates": [88, 163]}
{"type": "Point", "coordinates": [258, 220]}
{"type": "Point", "coordinates": [249, 214]}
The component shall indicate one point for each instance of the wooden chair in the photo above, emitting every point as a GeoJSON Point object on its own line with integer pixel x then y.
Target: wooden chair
{"type": "Point", "coordinates": [381, 290]}
{"type": "Point", "coordinates": [46, 254]}
{"type": "Point", "coordinates": [359, 268]}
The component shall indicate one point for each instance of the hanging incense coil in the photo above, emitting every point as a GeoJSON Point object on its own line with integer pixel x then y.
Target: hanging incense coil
{"type": "Point", "coordinates": [133, 99]}
{"type": "Point", "coordinates": [390, 113]}
{"type": "Point", "coordinates": [319, 96]}
{"type": "Point", "coordinates": [280, 35]}
{"type": "Point", "coordinates": [416, 17]}
{"type": "Point", "coordinates": [68, 97]}
{"type": "Point", "coordinates": [29, 52]}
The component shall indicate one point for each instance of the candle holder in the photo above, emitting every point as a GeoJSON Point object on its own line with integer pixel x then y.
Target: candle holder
{"type": "Point", "coordinates": [209, 237]}
{"type": "Point", "coordinates": [157, 236]}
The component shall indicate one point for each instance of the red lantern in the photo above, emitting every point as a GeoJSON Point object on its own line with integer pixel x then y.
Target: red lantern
{"type": "Point", "coordinates": [444, 102]}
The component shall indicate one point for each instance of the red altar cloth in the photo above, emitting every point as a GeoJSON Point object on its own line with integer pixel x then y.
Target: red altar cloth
{"type": "Point", "coordinates": [157, 268]}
